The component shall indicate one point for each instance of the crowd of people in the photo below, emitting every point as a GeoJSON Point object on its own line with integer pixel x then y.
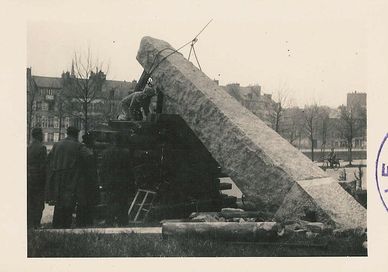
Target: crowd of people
{"type": "Point", "coordinates": [67, 179]}
{"type": "Point", "coordinates": [67, 176]}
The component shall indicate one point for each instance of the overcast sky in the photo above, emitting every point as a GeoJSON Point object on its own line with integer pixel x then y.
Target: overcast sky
{"type": "Point", "coordinates": [313, 50]}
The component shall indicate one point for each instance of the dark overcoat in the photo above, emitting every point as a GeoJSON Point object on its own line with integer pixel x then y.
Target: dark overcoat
{"type": "Point", "coordinates": [65, 172]}
{"type": "Point", "coordinates": [116, 171]}
{"type": "Point", "coordinates": [87, 190]}
{"type": "Point", "coordinates": [36, 174]}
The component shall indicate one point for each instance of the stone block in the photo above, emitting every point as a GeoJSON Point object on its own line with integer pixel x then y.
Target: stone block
{"type": "Point", "coordinates": [333, 205]}
{"type": "Point", "coordinates": [263, 165]}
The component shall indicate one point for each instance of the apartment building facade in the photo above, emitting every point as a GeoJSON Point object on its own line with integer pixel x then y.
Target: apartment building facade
{"type": "Point", "coordinates": [44, 95]}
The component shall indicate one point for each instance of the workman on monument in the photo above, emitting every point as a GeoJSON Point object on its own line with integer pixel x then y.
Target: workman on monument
{"type": "Point", "coordinates": [36, 178]}
{"type": "Point", "coordinates": [133, 104]}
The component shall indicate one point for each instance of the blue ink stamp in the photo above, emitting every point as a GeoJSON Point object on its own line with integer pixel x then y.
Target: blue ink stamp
{"type": "Point", "coordinates": [382, 172]}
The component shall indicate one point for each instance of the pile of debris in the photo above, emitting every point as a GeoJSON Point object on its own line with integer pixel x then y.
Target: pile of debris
{"type": "Point", "coordinates": [229, 215]}
{"type": "Point", "coordinates": [239, 225]}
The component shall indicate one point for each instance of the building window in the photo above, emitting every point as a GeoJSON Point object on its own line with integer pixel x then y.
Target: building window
{"type": "Point", "coordinates": [44, 106]}
{"type": "Point", "coordinates": [45, 137]}
{"type": "Point", "coordinates": [38, 105]}
{"type": "Point", "coordinates": [37, 121]}
{"type": "Point", "coordinates": [56, 122]}
{"type": "Point", "coordinates": [51, 122]}
{"type": "Point", "coordinates": [67, 122]}
{"type": "Point", "coordinates": [50, 137]}
{"type": "Point", "coordinates": [44, 122]}
{"type": "Point", "coordinates": [56, 136]}
{"type": "Point", "coordinates": [51, 106]}
{"type": "Point", "coordinates": [63, 122]}
{"type": "Point", "coordinates": [111, 94]}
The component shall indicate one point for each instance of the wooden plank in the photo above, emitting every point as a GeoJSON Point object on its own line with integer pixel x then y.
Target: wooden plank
{"type": "Point", "coordinates": [249, 231]}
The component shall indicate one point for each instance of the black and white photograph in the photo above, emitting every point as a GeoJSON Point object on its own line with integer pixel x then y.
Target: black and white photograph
{"type": "Point", "coordinates": [197, 148]}
{"type": "Point", "coordinates": [159, 129]}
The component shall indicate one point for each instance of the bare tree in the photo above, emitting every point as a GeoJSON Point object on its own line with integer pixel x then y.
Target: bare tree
{"type": "Point", "coordinates": [60, 109]}
{"type": "Point", "coordinates": [323, 126]}
{"type": "Point", "coordinates": [281, 103]}
{"type": "Point", "coordinates": [82, 86]}
{"type": "Point", "coordinates": [311, 114]}
{"type": "Point", "coordinates": [293, 124]}
{"type": "Point", "coordinates": [351, 124]}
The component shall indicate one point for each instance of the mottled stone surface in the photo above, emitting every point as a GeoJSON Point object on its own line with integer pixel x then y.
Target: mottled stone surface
{"type": "Point", "coordinates": [263, 164]}
{"type": "Point", "coordinates": [295, 205]}
{"type": "Point", "coordinates": [331, 202]}
{"type": "Point", "coordinates": [340, 206]}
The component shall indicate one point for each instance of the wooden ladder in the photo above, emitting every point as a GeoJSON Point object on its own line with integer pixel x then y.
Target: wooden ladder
{"type": "Point", "coordinates": [141, 206]}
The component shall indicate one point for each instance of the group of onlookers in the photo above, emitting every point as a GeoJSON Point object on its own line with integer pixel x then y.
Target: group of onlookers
{"type": "Point", "coordinates": [67, 178]}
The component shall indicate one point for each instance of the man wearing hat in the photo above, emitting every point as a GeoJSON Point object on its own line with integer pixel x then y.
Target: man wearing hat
{"type": "Point", "coordinates": [132, 104]}
{"type": "Point", "coordinates": [87, 190]}
{"type": "Point", "coordinates": [36, 178]}
{"type": "Point", "coordinates": [65, 174]}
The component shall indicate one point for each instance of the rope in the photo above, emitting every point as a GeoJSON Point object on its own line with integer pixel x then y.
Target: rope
{"type": "Point", "coordinates": [163, 59]}
{"type": "Point", "coordinates": [152, 69]}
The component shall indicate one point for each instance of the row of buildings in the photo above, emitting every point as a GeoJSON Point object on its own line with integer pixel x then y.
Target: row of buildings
{"type": "Point", "coordinates": [45, 105]}
{"type": "Point", "coordinates": [45, 109]}
{"type": "Point", "coordinates": [328, 127]}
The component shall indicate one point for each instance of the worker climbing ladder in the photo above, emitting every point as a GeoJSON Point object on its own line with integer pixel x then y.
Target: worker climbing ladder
{"type": "Point", "coordinates": [141, 206]}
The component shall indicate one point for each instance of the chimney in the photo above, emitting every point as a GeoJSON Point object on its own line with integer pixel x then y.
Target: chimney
{"type": "Point", "coordinates": [28, 73]}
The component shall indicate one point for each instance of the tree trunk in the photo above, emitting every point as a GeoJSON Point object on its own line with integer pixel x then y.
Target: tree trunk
{"type": "Point", "coordinates": [248, 231]}
{"type": "Point", "coordinates": [85, 116]}
{"type": "Point", "coordinates": [350, 153]}
{"type": "Point", "coordinates": [231, 214]}
{"type": "Point", "coordinates": [312, 148]}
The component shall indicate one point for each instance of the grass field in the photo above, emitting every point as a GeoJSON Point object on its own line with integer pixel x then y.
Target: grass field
{"type": "Point", "coordinates": [45, 244]}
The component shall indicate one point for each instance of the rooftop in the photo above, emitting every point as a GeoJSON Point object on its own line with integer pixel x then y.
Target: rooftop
{"type": "Point", "coordinates": [121, 87]}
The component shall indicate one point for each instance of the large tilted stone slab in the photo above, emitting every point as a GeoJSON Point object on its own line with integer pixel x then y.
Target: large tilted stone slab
{"type": "Point", "coordinates": [263, 165]}
{"type": "Point", "coordinates": [325, 196]}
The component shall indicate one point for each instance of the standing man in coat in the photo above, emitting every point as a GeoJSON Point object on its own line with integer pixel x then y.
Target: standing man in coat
{"type": "Point", "coordinates": [36, 178]}
{"type": "Point", "coordinates": [117, 178]}
{"type": "Point", "coordinates": [65, 165]}
{"type": "Point", "coordinates": [87, 190]}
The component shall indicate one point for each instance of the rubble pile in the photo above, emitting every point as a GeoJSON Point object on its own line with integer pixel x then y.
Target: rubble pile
{"type": "Point", "coordinates": [250, 225]}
